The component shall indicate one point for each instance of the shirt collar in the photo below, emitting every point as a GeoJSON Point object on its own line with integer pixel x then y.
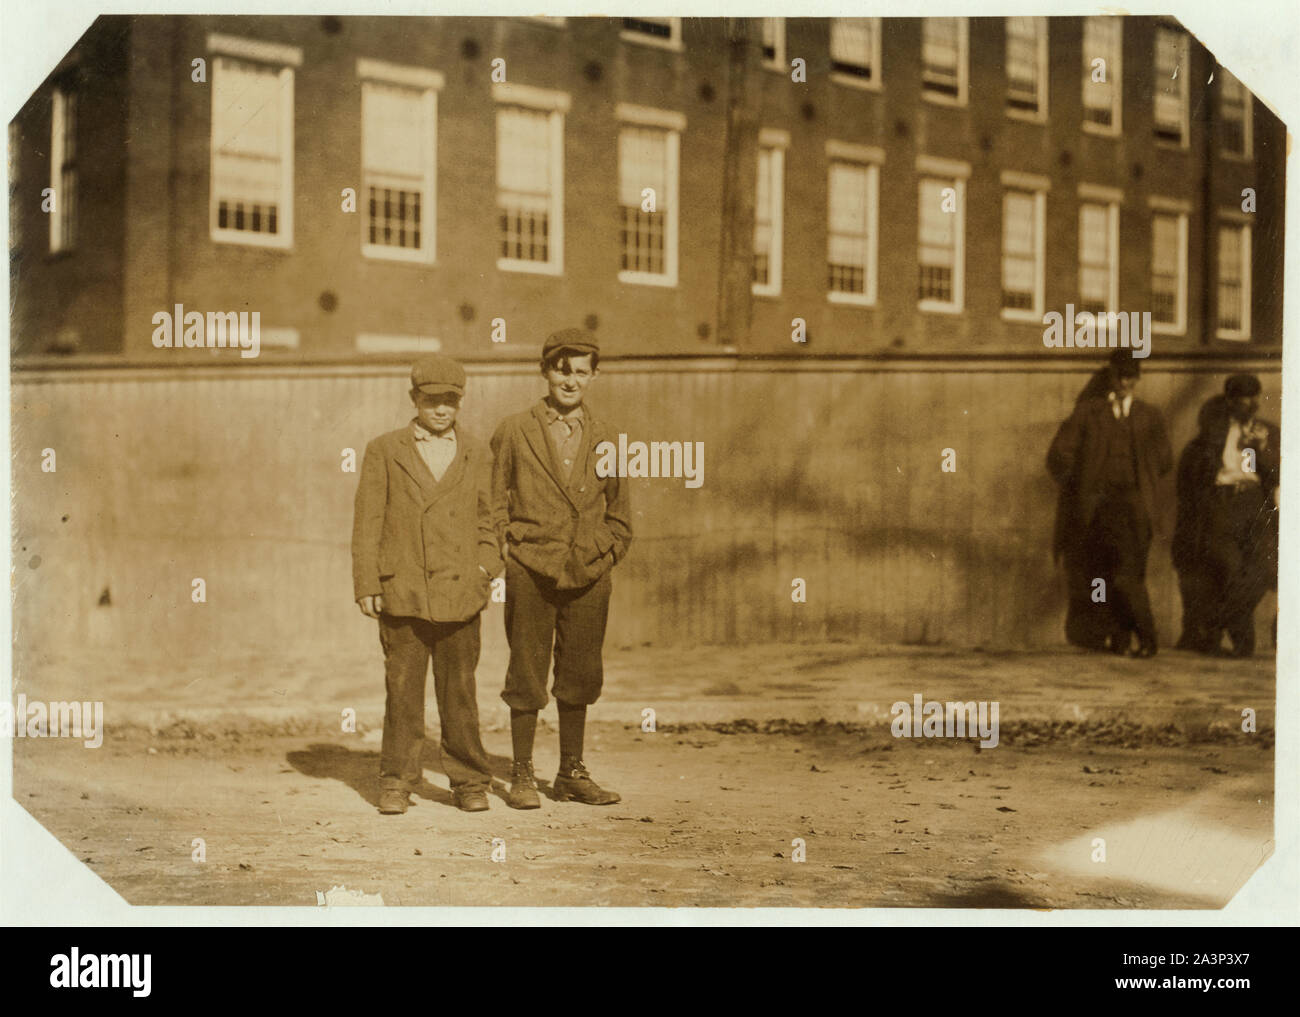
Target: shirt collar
{"type": "Point", "coordinates": [422, 433]}
{"type": "Point", "coordinates": [552, 414]}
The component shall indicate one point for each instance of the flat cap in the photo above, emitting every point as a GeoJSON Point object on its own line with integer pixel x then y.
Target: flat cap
{"type": "Point", "coordinates": [434, 374]}
{"type": "Point", "coordinates": [577, 339]}
{"type": "Point", "coordinates": [1241, 385]}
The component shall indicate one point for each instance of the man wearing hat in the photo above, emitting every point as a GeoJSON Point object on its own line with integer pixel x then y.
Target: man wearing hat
{"type": "Point", "coordinates": [424, 554]}
{"type": "Point", "coordinates": [1110, 458]}
{"type": "Point", "coordinates": [1225, 547]}
{"type": "Point", "coordinates": [564, 528]}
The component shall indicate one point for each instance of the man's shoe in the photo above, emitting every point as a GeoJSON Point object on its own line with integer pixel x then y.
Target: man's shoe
{"type": "Point", "coordinates": [471, 801]}
{"type": "Point", "coordinates": [574, 783]}
{"type": "Point", "coordinates": [1144, 651]}
{"type": "Point", "coordinates": [523, 787]}
{"type": "Point", "coordinates": [393, 801]}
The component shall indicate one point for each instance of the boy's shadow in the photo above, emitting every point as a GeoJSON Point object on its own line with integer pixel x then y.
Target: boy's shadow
{"type": "Point", "coordinates": [359, 770]}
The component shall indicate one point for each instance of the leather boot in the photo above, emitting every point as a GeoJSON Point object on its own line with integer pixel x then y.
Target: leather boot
{"type": "Point", "coordinates": [523, 787]}
{"type": "Point", "coordinates": [574, 783]}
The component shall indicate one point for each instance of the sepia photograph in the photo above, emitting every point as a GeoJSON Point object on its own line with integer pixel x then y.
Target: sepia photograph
{"type": "Point", "coordinates": [700, 461]}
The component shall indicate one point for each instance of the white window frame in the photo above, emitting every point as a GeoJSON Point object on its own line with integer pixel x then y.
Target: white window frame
{"type": "Point", "coordinates": [1037, 186]}
{"type": "Point", "coordinates": [673, 42]}
{"type": "Point", "coordinates": [674, 125]}
{"type": "Point", "coordinates": [1181, 210]}
{"type": "Point", "coordinates": [953, 173]}
{"type": "Point", "coordinates": [430, 83]}
{"type": "Point", "coordinates": [286, 58]}
{"type": "Point", "coordinates": [963, 67]}
{"type": "Point", "coordinates": [1240, 334]}
{"type": "Point", "coordinates": [391, 342]}
{"type": "Point", "coordinates": [870, 158]}
{"type": "Point", "coordinates": [1115, 77]}
{"type": "Point", "coordinates": [1184, 88]}
{"type": "Point", "coordinates": [1248, 121]}
{"type": "Point", "coordinates": [556, 105]}
{"type": "Point", "coordinates": [1111, 199]}
{"type": "Point", "coordinates": [63, 219]}
{"type": "Point", "coordinates": [1038, 116]}
{"type": "Point", "coordinates": [775, 142]}
{"type": "Point", "coordinates": [777, 62]}
{"type": "Point", "coordinates": [872, 84]}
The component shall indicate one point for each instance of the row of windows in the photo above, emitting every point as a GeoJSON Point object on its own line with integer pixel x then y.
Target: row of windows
{"type": "Point", "coordinates": [252, 175]}
{"type": "Point", "coordinates": [856, 60]}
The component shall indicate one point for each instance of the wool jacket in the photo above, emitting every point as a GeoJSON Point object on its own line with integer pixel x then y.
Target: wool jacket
{"type": "Point", "coordinates": [572, 531]}
{"type": "Point", "coordinates": [424, 544]}
{"type": "Point", "coordinates": [1077, 462]}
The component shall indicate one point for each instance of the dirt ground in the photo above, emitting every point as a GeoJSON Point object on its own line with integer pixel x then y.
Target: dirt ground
{"type": "Point", "coordinates": [707, 819]}
{"type": "Point", "coordinates": [1115, 784]}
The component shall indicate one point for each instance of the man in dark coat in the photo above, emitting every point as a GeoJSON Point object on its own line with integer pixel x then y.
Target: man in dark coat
{"type": "Point", "coordinates": [1110, 458]}
{"type": "Point", "coordinates": [1225, 544]}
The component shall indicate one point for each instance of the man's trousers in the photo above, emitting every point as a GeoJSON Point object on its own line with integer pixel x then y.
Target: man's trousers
{"type": "Point", "coordinates": [539, 617]}
{"type": "Point", "coordinates": [409, 644]}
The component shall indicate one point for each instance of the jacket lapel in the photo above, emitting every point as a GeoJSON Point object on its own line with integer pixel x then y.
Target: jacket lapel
{"type": "Point", "coordinates": [539, 440]}
{"type": "Point", "coordinates": [410, 460]}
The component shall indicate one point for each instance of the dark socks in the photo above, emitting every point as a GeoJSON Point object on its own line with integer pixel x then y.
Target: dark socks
{"type": "Point", "coordinates": [573, 721]}
{"type": "Point", "coordinates": [523, 729]}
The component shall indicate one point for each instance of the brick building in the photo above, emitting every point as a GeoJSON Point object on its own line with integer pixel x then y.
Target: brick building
{"type": "Point", "coordinates": [909, 185]}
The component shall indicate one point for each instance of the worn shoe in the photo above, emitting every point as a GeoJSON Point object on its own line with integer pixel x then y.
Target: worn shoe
{"type": "Point", "coordinates": [574, 783]}
{"type": "Point", "coordinates": [393, 801]}
{"type": "Point", "coordinates": [473, 800]}
{"type": "Point", "coordinates": [523, 787]}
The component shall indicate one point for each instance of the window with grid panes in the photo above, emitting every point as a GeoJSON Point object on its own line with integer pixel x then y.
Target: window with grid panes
{"type": "Point", "coordinates": [1096, 265]}
{"type": "Point", "coordinates": [1026, 64]}
{"type": "Point", "coordinates": [937, 235]}
{"type": "Point", "coordinates": [643, 163]}
{"type": "Point", "coordinates": [1166, 268]}
{"type": "Point", "coordinates": [250, 145]}
{"type": "Point", "coordinates": [397, 159]}
{"type": "Point", "coordinates": [855, 45]}
{"type": "Point", "coordinates": [941, 57]}
{"type": "Point", "coordinates": [525, 189]}
{"type": "Point", "coordinates": [1021, 250]}
{"type": "Point", "coordinates": [1172, 76]}
{"type": "Point", "coordinates": [1101, 98]}
{"type": "Point", "coordinates": [1234, 280]}
{"type": "Point", "coordinates": [852, 223]}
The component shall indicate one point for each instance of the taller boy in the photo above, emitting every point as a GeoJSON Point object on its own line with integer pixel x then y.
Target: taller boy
{"type": "Point", "coordinates": [564, 529]}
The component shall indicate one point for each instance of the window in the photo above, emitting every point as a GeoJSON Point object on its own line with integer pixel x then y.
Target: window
{"type": "Point", "coordinates": [1027, 67]}
{"type": "Point", "coordinates": [1234, 281]}
{"type": "Point", "coordinates": [943, 59]}
{"type": "Point", "coordinates": [773, 39]}
{"type": "Point", "coordinates": [1169, 272]}
{"type": "Point", "coordinates": [1173, 72]}
{"type": "Point", "coordinates": [63, 170]}
{"type": "Point", "coordinates": [648, 148]}
{"type": "Point", "coordinates": [665, 32]}
{"type": "Point", "coordinates": [251, 199]}
{"type": "Point", "coordinates": [940, 238]}
{"type": "Point", "coordinates": [855, 51]}
{"type": "Point", "coordinates": [398, 160]}
{"type": "Point", "coordinates": [768, 212]}
{"type": "Point", "coordinates": [1023, 252]}
{"type": "Point", "coordinates": [530, 178]}
{"type": "Point", "coordinates": [1098, 256]}
{"type": "Point", "coordinates": [853, 193]}
{"type": "Point", "coordinates": [1236, 135]}
{"type": "Point", "coordinates": [1101, 74]}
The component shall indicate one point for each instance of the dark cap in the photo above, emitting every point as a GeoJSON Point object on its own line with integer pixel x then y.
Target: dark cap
{"type": "Point", "coordinates": [435, 374]}
{"type": "Point", "coordinates": [579, 340]}
{"type": "Point", "coordinates": [1241, 386]}
{"type": "Point", "coordinates": [1125, 364]}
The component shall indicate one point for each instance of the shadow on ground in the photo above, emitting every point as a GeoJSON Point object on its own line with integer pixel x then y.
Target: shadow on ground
{"type": "Point", "coordinates": [359, 770]}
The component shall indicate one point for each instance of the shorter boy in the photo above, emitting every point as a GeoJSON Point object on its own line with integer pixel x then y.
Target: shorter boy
{"type": "Point", "coordinates": [423, 557]}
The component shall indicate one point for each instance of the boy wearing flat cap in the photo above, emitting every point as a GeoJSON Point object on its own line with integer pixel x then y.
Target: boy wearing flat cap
{"type": "Point", "coordinates": [424, 554]}
{"type": "Point", "coordinates": [563, 528]}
